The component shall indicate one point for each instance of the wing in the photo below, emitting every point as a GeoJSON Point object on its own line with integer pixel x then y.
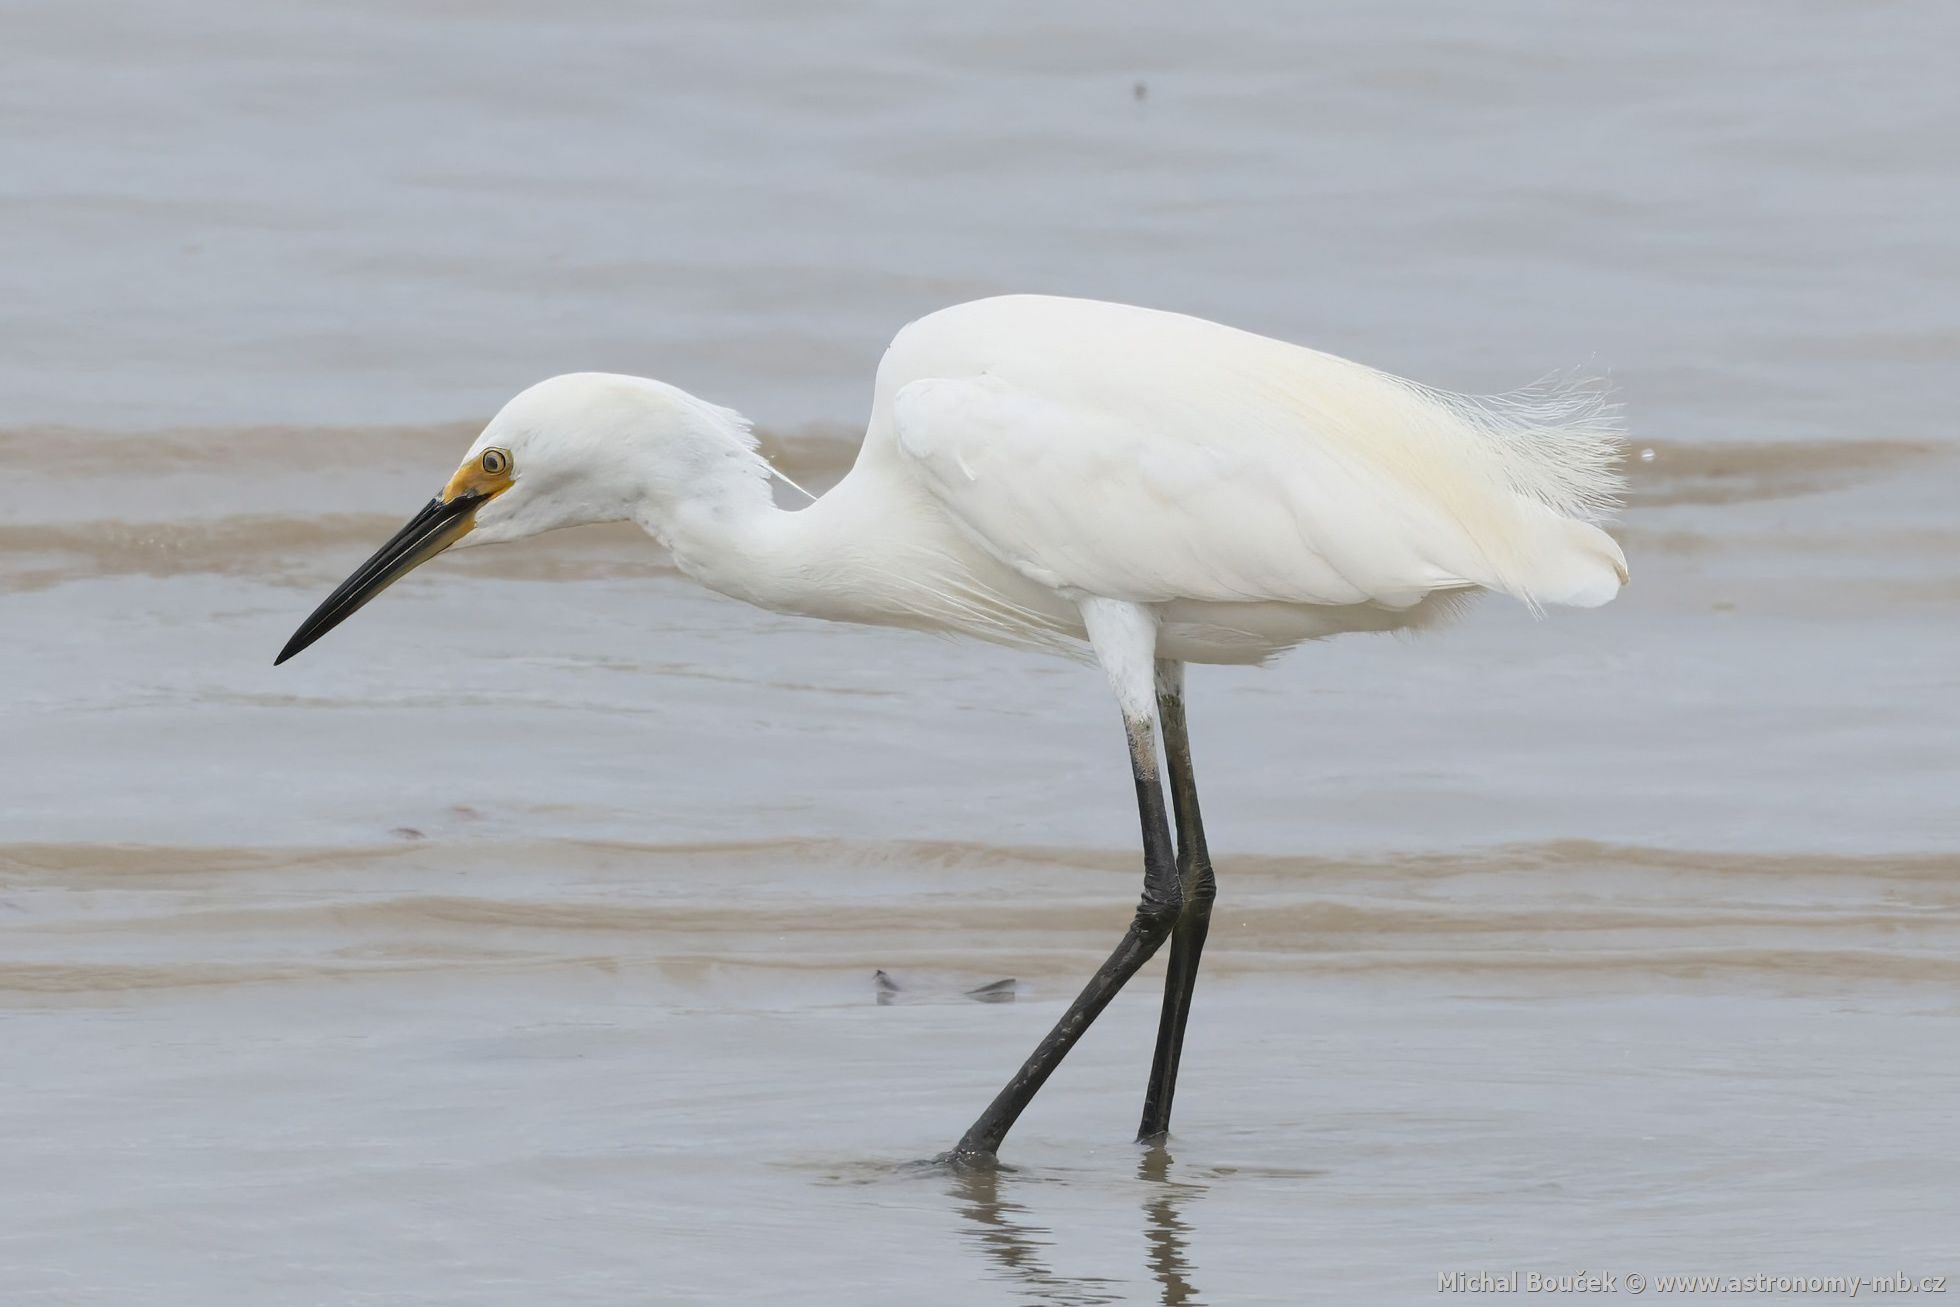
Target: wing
{"type": "Point", "coordinates": [1079, 498]}
{"type": "Point", "coordinates": [1137, 454]}
{"type": "Point", "coordinates": [1223, 500]}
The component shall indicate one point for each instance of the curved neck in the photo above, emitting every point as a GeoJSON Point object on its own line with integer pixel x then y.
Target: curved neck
{"type": "Point", "coordinates": [870, 550]}
{"type": "Point", "coordinates": [730, 537]}
{"type": "Point", "coordinates": [706, 495]}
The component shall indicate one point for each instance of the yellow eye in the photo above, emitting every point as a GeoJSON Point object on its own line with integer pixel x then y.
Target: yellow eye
{"type": "Point", "coordinates": [496, 461]}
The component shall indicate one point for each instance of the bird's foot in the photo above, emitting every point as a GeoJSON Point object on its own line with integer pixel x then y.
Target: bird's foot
{"type": "Point", "coordinates": [965, 1161]}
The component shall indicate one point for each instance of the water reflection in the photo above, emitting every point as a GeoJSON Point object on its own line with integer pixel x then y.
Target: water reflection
{"type": "Point", "coordinates": [1014, 1244]}
{"type": "Point", "coordinates": [1164, 1231]}
{"type": "Point", "coordinates": [1017, 1245]}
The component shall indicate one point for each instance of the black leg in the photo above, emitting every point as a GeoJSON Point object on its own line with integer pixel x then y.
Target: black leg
{"type": "Point", "coordinates": [1199, 888]}
{"type": "Point", "coordinates": [1159, 907]}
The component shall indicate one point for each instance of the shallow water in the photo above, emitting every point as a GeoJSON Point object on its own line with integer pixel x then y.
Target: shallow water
{"type": "Point", "coordinates": [517, 944]}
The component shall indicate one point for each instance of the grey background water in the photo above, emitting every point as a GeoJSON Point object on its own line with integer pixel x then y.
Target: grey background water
{"type": "Point", "coordinates": [515, 945]}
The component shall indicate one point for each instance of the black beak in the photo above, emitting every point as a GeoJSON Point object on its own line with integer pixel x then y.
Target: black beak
{"type": "Point", "coordinates": [439, 525]}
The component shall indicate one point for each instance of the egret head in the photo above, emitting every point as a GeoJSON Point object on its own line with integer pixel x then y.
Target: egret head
{"type": "Point", "coordinates": [581, 448]}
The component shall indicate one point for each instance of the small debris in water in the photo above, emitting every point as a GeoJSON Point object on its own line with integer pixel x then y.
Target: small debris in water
{"type": "Point", "coordinates": [994, 991]}
{"type": "Point", "coordinates": [999, 991]}
{"type": "Point", "coordinates": [407, 833]}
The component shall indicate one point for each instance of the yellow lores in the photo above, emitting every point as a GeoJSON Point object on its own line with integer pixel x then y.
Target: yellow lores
{"type": "Point", "coordinates": [485, 477]}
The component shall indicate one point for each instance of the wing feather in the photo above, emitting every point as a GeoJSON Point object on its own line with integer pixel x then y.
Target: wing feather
{"type": "Point", "coordinates": [1146, 456]}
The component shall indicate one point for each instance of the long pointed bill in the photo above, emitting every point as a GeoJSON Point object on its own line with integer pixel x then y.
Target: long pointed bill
{"type": "Point", "coordinates": [439, 525]}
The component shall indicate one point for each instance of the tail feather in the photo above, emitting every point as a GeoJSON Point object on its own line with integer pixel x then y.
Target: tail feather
{"type": "Point", "coordinates": [1520, 476]}
{"type": "Point", "coordinates": [1575, 565]}
{"type": "Point", "coordinates": [1557, 442]}
{"type": "Point", "coordinates": [1556, 448]}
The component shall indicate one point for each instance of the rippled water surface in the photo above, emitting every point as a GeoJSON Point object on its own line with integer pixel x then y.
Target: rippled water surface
{"type": "Point", "coordinates": [517, 945]}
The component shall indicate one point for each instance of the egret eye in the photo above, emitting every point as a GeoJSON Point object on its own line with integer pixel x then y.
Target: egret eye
{"type": "Point", "coordinates": [495, 461]}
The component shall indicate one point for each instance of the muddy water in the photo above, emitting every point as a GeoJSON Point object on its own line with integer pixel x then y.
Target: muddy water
{"type": "Point", "coordinates": [516, 945]}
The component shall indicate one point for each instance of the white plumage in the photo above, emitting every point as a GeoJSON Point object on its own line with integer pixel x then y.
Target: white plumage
{"type": "Point", "coordinates": [1026, 452]}
{"type": "Point", "coordinates": [1080, 477]}
{"type": "Point", "coordinates": [1106, 450]}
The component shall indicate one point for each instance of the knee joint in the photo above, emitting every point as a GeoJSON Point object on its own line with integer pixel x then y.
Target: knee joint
{"type": "Point", "coordinates": [1156, 916]}
{"type": "Point", "coordinates": [1204, 887]}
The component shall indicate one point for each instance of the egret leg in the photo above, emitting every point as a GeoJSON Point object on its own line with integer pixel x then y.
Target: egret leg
{"type": "Point", "coordinates": [1157, 911]}
{"type": "Point", "coordinates": [1199, 888]}
{"type": "Point", "coordinates": [1124, 636]}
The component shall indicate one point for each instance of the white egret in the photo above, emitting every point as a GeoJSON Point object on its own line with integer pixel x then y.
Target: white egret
{"type": "Point", "coordinates": [1074, 476]}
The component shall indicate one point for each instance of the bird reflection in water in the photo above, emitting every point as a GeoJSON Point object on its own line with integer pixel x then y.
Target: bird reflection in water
{"type": "Point", "coordinates": [1164, 1231]}
{"type": "Point", "coordinates": [1002, 1229]}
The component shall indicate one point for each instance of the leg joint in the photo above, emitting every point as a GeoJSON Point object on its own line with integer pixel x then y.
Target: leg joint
{"type": "Point", "coordinates": [1157, 914]}
{"type": "Point", "coordinates": [1200, 885]}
